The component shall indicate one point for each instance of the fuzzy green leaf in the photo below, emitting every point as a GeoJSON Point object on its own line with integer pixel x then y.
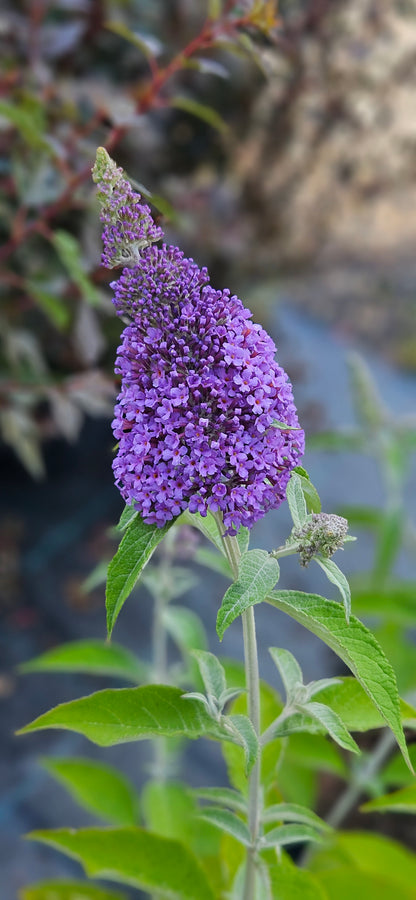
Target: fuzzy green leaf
{"type": "Point", "coordinates": [247, 739]}
{"type": "Point", "coordinates": [284, 835]}
{"type": "Point", "coordinates": [293, 812]}
{"type": "Point", "coordinates": [332, 723]}
{"type": "Point", "coordinates": [354, 644]}
{"type": "Point", "coordinates": [128, 714]}
{"type": "Point", "coordinates": [296, 501]}
{"type": "Point", "coordinates": [97, 787]}
{"type": "Point", "coordinates": [310, 493]}
{"type": "Point", "coordinates": [226, 797]}
{"type": "Point", "coordinates": [336, 577]}
{"type": "Point", "coordinates": [355, 708]}
{"type": "Point", "coordinates": [205, 524]}
{"type": "Point", "coordinates": [288, 668]}
{"type": "Point", "coordinates": [136, 547]}
{"type": "Point", "coordinates": [227, 821]}
{"type": "Point", "coordinates": [135, 857]}
{"type": "Point", "coordinates": [212, 673]}
{"type": "Point", "coordinates": [91, 657]}
{"type": "Point", "coordinates": [258, 573]}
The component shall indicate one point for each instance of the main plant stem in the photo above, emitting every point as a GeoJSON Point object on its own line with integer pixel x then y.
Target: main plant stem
{"type": "Point", "coordinates": [253, 698]}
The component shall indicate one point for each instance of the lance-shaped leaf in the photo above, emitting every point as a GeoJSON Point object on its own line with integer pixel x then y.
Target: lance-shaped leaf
{"type": "Point", "coordinates": [310, 493]}
{"type": "Point", "coordinates": [205, 524]}
{"type": "Point", "coordinates": [246, 737]}
{"type": "Point", "coordinates": [135, 857]}
{"type": "Point", "coordinates": [128, 714]}
{"type": "Point", "coordinates": [402, 801]}
{"type": "Point", "coordinates": [67, 890]}
{"type": "Point", "coordinates": [258, 573]}
{"type": "Point", "coordinates": [90, 657]}
{"type": "Point", "coordinates": [98, 788]}
{"type": "Point", "coordinates": [357, 711]}
{"type": "Point", "coordinates": [284, 835]}
{"type": "Point", "coordinates": [293, 812]}
{"type": "Point", "coordinates": [354, 644]}
{"type": "Point", "coordinates": [129, 513]}
{"type": "Point", "coordinates": [332, 723]}
{"type": "Point", "coordinates": [288, 668]}
{"type": "Point", "coordinates": [212, 673]}
{"type": "Point", "coordinates": [296, 501]}
{"type": "Point", "coordinates": [226, 797]}
{"type": "Point", "coordinates": [136, 547]}
{"type": "Point", "coordinates": [336, 577]}
{"type": "Point", "coordinates": [227, 821]}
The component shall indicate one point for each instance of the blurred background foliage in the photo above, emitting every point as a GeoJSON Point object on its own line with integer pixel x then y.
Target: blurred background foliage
{"type": "Point", "coordinates": [263, 142]}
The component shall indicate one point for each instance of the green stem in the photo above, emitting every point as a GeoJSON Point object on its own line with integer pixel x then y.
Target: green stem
{"type": "Point", "coordinates": [253, 697]}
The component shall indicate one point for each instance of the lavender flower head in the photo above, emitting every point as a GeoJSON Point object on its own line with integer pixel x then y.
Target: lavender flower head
{"type": "Point", "coordinates": [205, 418]}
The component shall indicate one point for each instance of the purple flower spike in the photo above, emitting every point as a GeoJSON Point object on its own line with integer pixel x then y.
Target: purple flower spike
{"type": "Point", "coordinates": [201, 392]}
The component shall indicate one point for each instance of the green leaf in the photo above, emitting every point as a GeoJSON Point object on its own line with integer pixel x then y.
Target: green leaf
{"type": "Point", "coordinates": [223, 797]}
{"type": "Point", "coordinates": [310, 493]}
{"type": "Point", "coordinates": [354, 644]}
{"type": "Point", "coordinates": [343, 883]}
{"type": "Point", "coordinates": [70, 253]}
{"type": "Point", "coordinates": [136, 547]}
{"type": "Point", "coordinates": [52, 306]}
{"type": "Point", "coordinates": [296, 501]}
{"type": "Point", "coordinates": [285, 835]}
{"type": "Point", "coordinates": [396, 773]}
{"type": "Point", "coordinates": [201, 111]}
{"type": "Point", "coordinates": [247, 738]}
{"type": "Point", "coordinates": [213, 560]}
{"type": "Point", "coordinates": [212, 673]}
{"type": "Point", "coordinates": [128, 714]}
{"type": "Point", "coordinates": [332, 723]}
{"type": "Point", "coordinates": [403, 801]}
{"type": "Point", "coordinates": [227, 821]}
{"type": "Point", "coordinates": [97, 787]}
{"type": "Point", "coordinates": [129, 513]}
{"type": "Point", "coordinates": [168, 809]}
{"type": "Point", "coordinates": [293, 812]}
{"type": "Point", "coordinates": [291, 883]}
{"type": "Point", "coordinates": [67, 890]}
{"type": "Point", "coordinates": [349, 700]}
{"type": "Point", "coordinates": [207, 525]}
{"type": "Point", "coordinates": [317, 753]}
{"type": "Point", "coordinates": [288, 668]}
{"type": "Point", "coordinates": [185, 628]}
{"type": "Point", "coordinates": [336, 577]}
{"type": "Point", "coordinates": [257, 574]}
{"type": "Point", "coordinates": [135, 857]}
{"type": "Point", "coordinates": [384, 860]}
{"type": "Point", "coordinates": [92, 657]}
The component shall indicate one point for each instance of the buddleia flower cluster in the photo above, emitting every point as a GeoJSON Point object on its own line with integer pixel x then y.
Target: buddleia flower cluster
{"type": "Point", "coordinates": [205, 418]}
